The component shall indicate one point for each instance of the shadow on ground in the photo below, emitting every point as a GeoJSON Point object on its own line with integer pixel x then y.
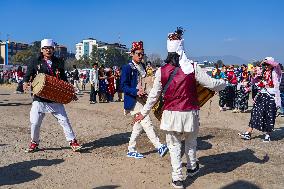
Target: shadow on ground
{"type": "Point", "coordinates": [225, 162]}
{"type": "Point", "coordinates": [21, 172]}
{"type": "Point", "coordinates": [113, 140]}
{"type": "Point", "coordinates": [241, 184]}
{"type": "Point", "coordinates": [15, 104]}
{"type": "Point", "coordinates": [107, 187]}
{"type": "Point", "coordinates": [276, 135]}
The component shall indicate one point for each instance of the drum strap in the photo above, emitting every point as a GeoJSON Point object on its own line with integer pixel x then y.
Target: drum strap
{"type": "Point", "coordinates": [169, 80]}
{"type": "Point", "coordinates": [49, 68]}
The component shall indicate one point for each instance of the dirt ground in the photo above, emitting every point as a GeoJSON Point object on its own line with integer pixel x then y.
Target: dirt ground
{"type": "Point", "coordinates": [227, 162]}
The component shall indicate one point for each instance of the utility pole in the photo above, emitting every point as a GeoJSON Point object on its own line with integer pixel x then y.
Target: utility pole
{"type": "Point", "coordinates": [7, 50]}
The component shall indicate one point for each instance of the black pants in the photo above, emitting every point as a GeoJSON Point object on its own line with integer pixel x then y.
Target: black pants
{"type": "Point", "coordinates": [242, 99]}
{"type": "Point", "coordinates": [231, 96]}
{"type": "Point", "coordinates": [222, 98]}
{"type": "Point", "coordinates": [20, 87]}
{"type": "Point", "coordinates": [93, 94]}
{"type": "Point", "coordinates": [254, 91]}
{"type": "Point", "coordinates": [263, 113]}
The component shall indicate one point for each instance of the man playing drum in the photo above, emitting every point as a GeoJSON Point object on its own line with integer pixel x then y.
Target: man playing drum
{"type": "Point", "coordinates": [48, 64]}
{"type": "Point", "coordinates": [181, 109]}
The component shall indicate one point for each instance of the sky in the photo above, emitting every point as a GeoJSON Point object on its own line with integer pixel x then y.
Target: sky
{"type": "Point", "coordinates": [249, 29]}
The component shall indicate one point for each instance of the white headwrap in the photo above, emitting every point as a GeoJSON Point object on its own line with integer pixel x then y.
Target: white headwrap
{"type": "Point", "coordinates": [178, 47]}
{"type": "Point", "coordinates": [47, 43]}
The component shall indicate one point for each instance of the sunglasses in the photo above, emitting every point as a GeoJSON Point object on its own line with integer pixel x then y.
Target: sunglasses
{"type": "Point", "coordinates": [45, 48]}
{"type": "Point", "coordinates": [139, 54]}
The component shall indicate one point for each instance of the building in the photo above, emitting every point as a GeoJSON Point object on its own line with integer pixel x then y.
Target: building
{"type": "Point", "coordinates": [61, 51]}
{"type": "Point", "coordinates": [85, 47]}
{"type": "Point", "coordinates": [9, 49]}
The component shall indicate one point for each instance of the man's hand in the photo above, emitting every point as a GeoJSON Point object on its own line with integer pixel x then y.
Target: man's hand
{"type": "Point", "coordinates": [26, 86]}
{"type": "Point", "coordinates": [141, 92]}
{"type": "Point", "coordinates": [138, 117]}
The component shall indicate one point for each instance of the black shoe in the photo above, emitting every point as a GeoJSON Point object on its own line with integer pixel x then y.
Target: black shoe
{"type": "Point", "coordinates": [192, 172]}
{"type": "Point", "coordinates": [178, 184]}
{"type": "Point", "coordinates": [245, 136]}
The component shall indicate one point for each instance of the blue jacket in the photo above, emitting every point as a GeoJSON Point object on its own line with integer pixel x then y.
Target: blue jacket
{"type": "Point", "coordinates": [129, 82]}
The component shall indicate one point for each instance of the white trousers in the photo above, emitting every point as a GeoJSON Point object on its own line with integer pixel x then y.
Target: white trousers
{"type": "Point", "coordinates": [145, 124]}
{"type": "Point", "coordinates": [174, 144]}
{"type": "Point", "coordinates": [37, 114]}
{"type": "Point", "coordinates": [76, 86]}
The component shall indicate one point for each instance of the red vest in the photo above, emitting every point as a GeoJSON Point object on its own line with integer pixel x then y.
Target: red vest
{"type": "Point", "coordinates": [181, 94]}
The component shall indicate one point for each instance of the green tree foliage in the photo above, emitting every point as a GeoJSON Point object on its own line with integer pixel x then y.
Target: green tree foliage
{"type": "Point", "coordinates": [22, 57]}
{"type": "Point", "coordinates": [114, 57]}
{"type": "Point", "coordinates": [97, 56]}
{"type": "Point", "coordinates": [25, 56]}
{"type": "Point", "coordinates": [219, 63]}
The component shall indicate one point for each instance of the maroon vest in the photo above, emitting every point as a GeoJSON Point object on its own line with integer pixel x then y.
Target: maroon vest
{"type": "Point", "coordinates": [181, 94]}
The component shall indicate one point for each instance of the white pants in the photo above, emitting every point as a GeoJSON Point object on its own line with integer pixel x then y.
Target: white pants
{"type": "Point", "coordinates": [145, 124]}
{"type": "Point", "coordinates": [174, 144]}
{"type": "Point", "coordinates": [37, 114]}
{"type": "Point", "coordinates": [76, 86]}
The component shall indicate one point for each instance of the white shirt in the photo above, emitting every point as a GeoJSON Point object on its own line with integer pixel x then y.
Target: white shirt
{"type": "Point", "coordinates": [201, 76]}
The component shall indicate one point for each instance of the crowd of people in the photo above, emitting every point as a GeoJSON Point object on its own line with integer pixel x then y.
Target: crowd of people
{"type": "Point", "coordinates": [15, 75]}
{"type": "Point", "coordinates": [264, 82]}
{"type": "Point", "coordinates": [175, 82]}
{"type": "Point", "coordinates": [240, 83]}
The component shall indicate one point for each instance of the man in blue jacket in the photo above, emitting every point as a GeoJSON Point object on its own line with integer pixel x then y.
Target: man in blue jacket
{"type": "Point", "coordinates": [132, 78]}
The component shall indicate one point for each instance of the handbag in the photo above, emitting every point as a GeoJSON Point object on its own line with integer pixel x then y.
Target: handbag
{"type": "Point", "coordinates": [158, 106]}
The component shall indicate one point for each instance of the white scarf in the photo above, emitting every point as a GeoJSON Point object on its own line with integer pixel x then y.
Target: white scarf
{"type": "Point", "coordinates": [177, 46]}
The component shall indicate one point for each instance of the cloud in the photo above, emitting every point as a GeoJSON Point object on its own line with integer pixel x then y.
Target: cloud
{"type": "Point", "coordinates": [230, 39]}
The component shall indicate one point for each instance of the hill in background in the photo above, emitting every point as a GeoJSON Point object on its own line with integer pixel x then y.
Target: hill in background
{"type": "Point", "coordinates": [227, 59]}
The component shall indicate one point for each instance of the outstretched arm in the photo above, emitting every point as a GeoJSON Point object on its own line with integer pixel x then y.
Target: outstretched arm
{"type": "Point", "coordinates": [206, 81]}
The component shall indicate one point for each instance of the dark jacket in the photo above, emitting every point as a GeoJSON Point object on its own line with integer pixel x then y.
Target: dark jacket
{"type": "Point", "coordinates": [40, 66]}
{"type": "Point", "coordinates": [129, 82]}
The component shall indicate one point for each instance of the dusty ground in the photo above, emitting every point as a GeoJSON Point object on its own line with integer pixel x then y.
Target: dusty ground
{"type": "Point", "coordinates": [227, 162]}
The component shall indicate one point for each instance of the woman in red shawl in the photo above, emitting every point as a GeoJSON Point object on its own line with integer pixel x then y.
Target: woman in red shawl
{"type": "Point", "coordinates": [111, 88]}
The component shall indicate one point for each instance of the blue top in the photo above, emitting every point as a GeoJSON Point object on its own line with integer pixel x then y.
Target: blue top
{"type": "Point", "coordinates": [129, 82]}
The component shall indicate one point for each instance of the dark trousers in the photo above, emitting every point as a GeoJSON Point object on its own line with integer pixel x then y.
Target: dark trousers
{"type": "Point", "coordinates": [93, 94]}
{"type": "Point", "coordinates": [20, 87]}
{"type": "Point", "coordinates": [231, 95]}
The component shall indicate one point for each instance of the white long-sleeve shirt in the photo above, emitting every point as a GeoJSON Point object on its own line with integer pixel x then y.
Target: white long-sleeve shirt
{"type": "Point", "coordinates": [201, 76]}
{"type": "Point", "coordinates": [94, 78]}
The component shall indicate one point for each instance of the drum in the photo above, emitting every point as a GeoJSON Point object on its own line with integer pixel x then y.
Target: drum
{"type": "Point", "coordinates": [53, 89]}
{"type": "Point", "coordinates": [203, 95]}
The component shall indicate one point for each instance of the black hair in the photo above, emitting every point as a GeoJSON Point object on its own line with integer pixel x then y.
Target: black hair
{"type": "Point", "coordinates": [95, 64]}
{"type": "Point", "coordinates": [20, 68]}
{"type": "Point", "coordinates": [173, 58]}
{"type": "Point", "coordinates": [74, 66]}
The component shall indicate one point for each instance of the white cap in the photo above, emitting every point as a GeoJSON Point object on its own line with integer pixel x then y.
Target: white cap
{"type": "Point", "coordinates": [269, 58]}
{"type": "Point", "coordinates": [47, 43]}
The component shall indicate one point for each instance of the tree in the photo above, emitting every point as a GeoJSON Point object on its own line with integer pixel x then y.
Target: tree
{"type": "Point", "coordinates": [98, 56]}
{"type": "Point", "coordinates": [25, 56]}
{"type": "Point", "coordinates": [114, 57]}
{"type": "Point", "coordinates": [155, 59]}
{"type": "Point", "coordinates": [219, 63]}
{"type": "Point", "coordinates": [22, 57]}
